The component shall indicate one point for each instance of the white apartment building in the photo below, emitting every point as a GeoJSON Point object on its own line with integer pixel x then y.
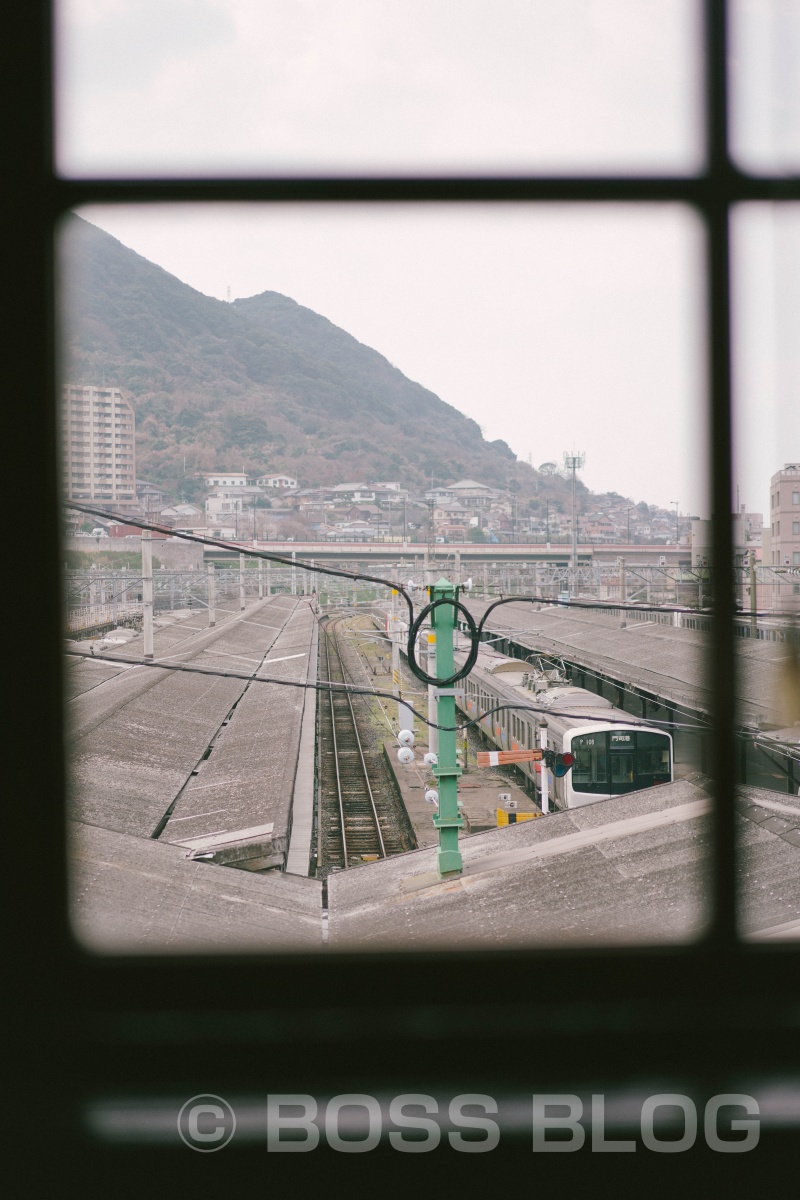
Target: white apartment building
{"type": "Point", "coordinates": [226, 479]}
{"type": "Point", "coordinates": [98, 444]}
{"type": "Point", "coordinates": [784, 516]}
{"type": "Point", "coordinates": [277, 481]}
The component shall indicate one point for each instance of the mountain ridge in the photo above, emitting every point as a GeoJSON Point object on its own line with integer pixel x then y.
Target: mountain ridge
{"type": "Point", "coordinates": [262, 383]}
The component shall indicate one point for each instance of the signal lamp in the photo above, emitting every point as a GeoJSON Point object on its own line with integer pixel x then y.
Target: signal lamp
{"type": "Point", "coordinates": [563, 763]}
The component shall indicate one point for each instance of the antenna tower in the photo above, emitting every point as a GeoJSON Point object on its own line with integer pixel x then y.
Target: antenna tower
{"type": "Point", "coordinates": [573, 462]}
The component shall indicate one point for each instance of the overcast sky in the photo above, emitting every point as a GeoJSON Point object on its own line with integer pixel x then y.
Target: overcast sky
{"type": "Point", "coordinates": [578, 328]}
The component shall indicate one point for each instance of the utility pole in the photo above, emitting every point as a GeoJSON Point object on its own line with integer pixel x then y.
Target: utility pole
{"type": "Point", "coordinates": [448, 820]}
{"type": "Point", "coordinates": [431, 555]}
{"type": "Point", "coordinates": [147, 591]}
{"type": "Point", "coordinates": [211, 597]}
{"type": "Point", "coordinates": [405, 717]}
{"type": "Point", "coordinates": [572, 462]}
{"type": "Point", "coordinates": [241, 581]}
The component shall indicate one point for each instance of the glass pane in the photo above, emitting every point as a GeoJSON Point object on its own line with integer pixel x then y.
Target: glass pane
{"type": "Point", "coordinates": [765, 85]}
{"type": "Point", "coordinates": [355, 86]}
{"type": "Point", "coordinates": [767, 303]}
{"type": "Point", "coordinates": [454, 391]}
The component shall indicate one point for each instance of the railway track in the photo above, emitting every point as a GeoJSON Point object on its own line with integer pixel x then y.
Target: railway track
{"type": "Point", "coordinates": [359, 813]}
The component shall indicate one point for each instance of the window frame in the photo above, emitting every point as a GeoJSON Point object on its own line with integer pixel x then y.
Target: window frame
{"type": "Point", "coordinates": [130, 1003]}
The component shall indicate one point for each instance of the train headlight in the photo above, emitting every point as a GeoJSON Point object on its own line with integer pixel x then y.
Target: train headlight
{"type": "Point", "coordinates": [405, 755]}
{"type": "Point", "coordinates": [405, 737]}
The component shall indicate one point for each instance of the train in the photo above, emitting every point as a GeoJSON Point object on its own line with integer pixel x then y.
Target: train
{"type": "Point", "coordinates": [612, 753]}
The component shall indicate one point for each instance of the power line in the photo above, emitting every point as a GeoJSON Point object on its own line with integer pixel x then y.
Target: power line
{"type": "Point", "coordinates": [474, 631]}
{"type": "Point", "coordinates": [356, 690]}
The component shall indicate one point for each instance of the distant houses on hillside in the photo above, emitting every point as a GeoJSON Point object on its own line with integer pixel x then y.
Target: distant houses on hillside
{"type": "Point", "coordinates": [240, 479]}
{"type": "Point", "coordinates": [273, 506]}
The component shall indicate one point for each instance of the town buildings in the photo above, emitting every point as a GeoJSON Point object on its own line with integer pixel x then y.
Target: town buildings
{"type": "Point", "coordinates": [784, 517]}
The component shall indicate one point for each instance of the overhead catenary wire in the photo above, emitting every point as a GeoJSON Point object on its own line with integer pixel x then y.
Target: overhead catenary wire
{"type": "Point", "coordinates": [164, 665]}
{"type": "Point", "coordinates": [474, 631]}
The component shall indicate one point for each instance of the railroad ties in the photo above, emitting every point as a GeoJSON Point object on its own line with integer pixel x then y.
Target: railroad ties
{"type": "Point", "coordinates": [355, 821]}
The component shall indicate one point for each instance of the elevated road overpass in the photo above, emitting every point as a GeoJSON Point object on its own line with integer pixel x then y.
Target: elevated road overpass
{"type": "Point", "coordinates": [465, 552]}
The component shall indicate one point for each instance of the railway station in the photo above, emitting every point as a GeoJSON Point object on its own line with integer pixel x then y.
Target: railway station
{"type": "Point", "coordinates": [204, 812]}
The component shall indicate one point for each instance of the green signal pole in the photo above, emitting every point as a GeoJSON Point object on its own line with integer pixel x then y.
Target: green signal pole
{"type": "Point", "coordinates": [448, 820]}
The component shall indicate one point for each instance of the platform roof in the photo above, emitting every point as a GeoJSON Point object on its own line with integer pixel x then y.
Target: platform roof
{"type": "Point", "coordinates": [135, 895]}
{"type": "Point", "coordinates": [661, 660]}
{"type": "Point", "coordinates": [630, 870]}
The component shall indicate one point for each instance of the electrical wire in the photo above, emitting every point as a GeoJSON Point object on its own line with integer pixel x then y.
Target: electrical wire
{"type": "Point", "coordinates": [474, 631]}
{"type": "Point", "coordinates": [361, 691]}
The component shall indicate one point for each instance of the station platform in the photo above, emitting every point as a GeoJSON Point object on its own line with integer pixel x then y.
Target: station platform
{"type": "Point", "coordinates": [483, 791]}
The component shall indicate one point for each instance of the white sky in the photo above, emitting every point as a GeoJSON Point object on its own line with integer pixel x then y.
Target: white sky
{"type": "Point", "coordinates": [578, 328]}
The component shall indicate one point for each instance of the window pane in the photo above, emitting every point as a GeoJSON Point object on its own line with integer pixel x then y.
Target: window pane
{"type": "Point", "coordinates": [409, 384]}
{"type": "Point", "coordinates": [765, 84]}
{"type": "Point", "coordinates": [767, 298]}
{"type": "Point", "coordinates": [342, 86]}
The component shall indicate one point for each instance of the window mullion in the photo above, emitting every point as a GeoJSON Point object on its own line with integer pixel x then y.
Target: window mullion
{"type": "Point", "coordinates": [722, 665]}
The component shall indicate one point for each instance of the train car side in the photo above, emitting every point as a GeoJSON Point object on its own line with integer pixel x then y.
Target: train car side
{"type": "Point", "coordinates": [613, 754]}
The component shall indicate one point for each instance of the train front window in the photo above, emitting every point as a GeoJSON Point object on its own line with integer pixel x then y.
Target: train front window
{"type": "Point", "coordinates": [652, 758]}
{"type": "Point", "coordinates": [609, 763]}
{"type": "Point", "coordinates": [590, 773]}
{"type": "Point", "coordinates": [621, 767]}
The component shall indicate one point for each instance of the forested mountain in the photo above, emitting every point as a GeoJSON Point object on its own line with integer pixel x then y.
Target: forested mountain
{"type": "Point", "coordinates": [261, 384]}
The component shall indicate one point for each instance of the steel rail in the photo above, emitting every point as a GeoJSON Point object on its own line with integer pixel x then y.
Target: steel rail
{"type": "Point", "coordinates": [335, 755]}
{"type": "Point", "coordinates": [348, 817]}
{"type": "Point", "coordinates": [347, 678]}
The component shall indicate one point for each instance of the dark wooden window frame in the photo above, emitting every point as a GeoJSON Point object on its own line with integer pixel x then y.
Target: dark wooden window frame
{"type": "Point", "coordinates": [102, 1020]}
